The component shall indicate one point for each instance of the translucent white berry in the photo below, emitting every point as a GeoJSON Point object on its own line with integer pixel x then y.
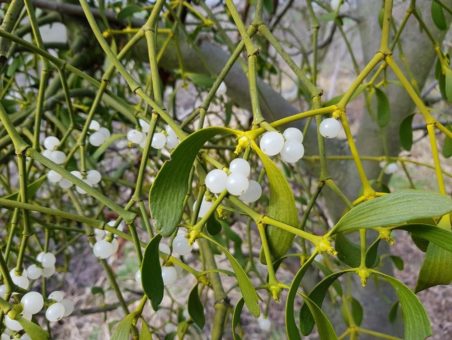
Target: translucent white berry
{"type": "Point", "coordinates": [135, 136]}
{"type": "Point", "coordinates": [64, 184]}
{"type": "Point", "coordinates": [58, 157]}
{"type": "Point", "coordinates": [171, 142]}
{"type": "Point", "coordinates": [292, 151]}
{"type": "Point", "coordinates": [169, 275]}
{"type": "Point", "coordinates": [48, 260]}
{"type": "Point", "coordinates": [271, 143]}
{"type": "Point", "coordinates": [293, 134]}
{"type": "Point", "coordinates": [216, 181]}
{"type": "Point", "coordinates": [12, 324]}
{"type": "Point", "coordinates": [144, 125]}
{"type": "Point", "coordinates": [163, 248]}
{"type": "Point", "coordinates": [19, 280]}
{"type": "Point", "coordinates": [40, 256]}
{"type": "Point", "coordinates": [93, 177]}
{"type": "Point", "coordinates": [104, 132]}
{"type": "Point", "coordinates": [100, 234]}
{"type": "Point", "coordinates": [330, 128]}
{"type": "Point", "coordinates": [32, 302]}
{"type": "Point", "coordinates": [94, 125]}
{"type": "Point", "coordinates": [68, 306]}
{"type": "Point", "coordinates": [264, 323]}
{"type": "Point", "coordinates": [51, 142]}
{"type": "Point", "coordinates": [158, 140]}
{"type": "Point", "coordinates": [221, 89]}
{"type": "Point", "coordinates": [240, 165]}
{"type": "Point", "coordinates": [103, 249]}
{"type": "Point", "coordinates": [391, 168]}
{"type": "Point", "coordinates": [237, 184]}
{"type": "Point", "coordinates": [34, 272]}
{"type": "Point", "coordinates": [204, 208]}
{"type": "Point", "coordinates": [181, 245]}
{"type": "Point", "coordinates": [47, 153]}
{"type": "Point", "coordinates": [54, 177]}
{"type": "Point", "coordinates": [253, 193]}
{"type": "Point", "coordinates": [5, 336]}
{"type": "Point", "coordinates": [56, 295]}
{"type": "Point", "coordinates": [55, 312]}
{"type": "Point", "coordinates": [48, 272]}
{"type": "Point", "coordinates": [97, 138]}
{"type": "Point", "coordinates": [25, 337]}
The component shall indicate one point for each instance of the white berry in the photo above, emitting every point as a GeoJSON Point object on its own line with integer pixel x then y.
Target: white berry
{"type": "Point", "coordinates": [55, 312]}
{"type": "Point", "coordinates": [144, 125]}
{"type": "Point", "coordinates": [12, 324]}
{"type": "Point", "coordinates": [97, 138]}
{"type": "Point", "coordinates": [32, 302]}
{"type": "Point", "coordinates": [292, 151]}
{"type": "Point", "coordinates": [181, 245]}
{"type": "Point", "coordinates": [56, 295]}
{"type": "Point", "coordinates": [169, 275]}
{"type": "Point", "coordinates": [204, 208]}
{"type": "Point", "coordinates": [240, 165]}
{"type": "Point", "coordinates": [51, 143]}
{"type": "Point", "coordinates": [330, 128]}
{"type": "Point", "coordinates": [100, 234]}
{"type": "Point", "coordinates": [158, 140]}
{"type": "Point", "coordinates": [105, 132]}
{"type": "Point", "coordinates": [47, 153]}
{"type": "Point", "coordinates": [237, 184]}
{"type": "Point", "coordinates": [20, 280]}
{"type": "Point", "coordinates": [34, 272]}
{"type": "Point", "coordinates": [54, 177]}
{"type": "Point", "coordinates": [93, 177]}
{"type": "Point", "coordinates": [253, 193]}
{"type": "Point", "coordinates": [58, 157]}
{"type": "Point", "coordinates": [216, 181]}
{"type": "Point", "coordinates": [163, 248]}
{"type": "Point", "coordinates": [64, 184]}
{"type": "Point", "coordinates": [293, 134]}
{"type": "Point", "coordinates": [391, 168]}
{"type": "Point", "coordinates": [135, 136]}
{"type": "Point", "coordinates": [94, 125]}
{"type": "Point", "coordinates": [264, 323]}
{"type": "Point", "coordinates": [48, 272]}
{"type": "Point", "coordinates": [48, 260]}
{"type": "Point", "coordinates": [103, 249]}
{"type": "Point", "coordinates": [271, 143]}
{"type": "Point", "coordinates": [68, 306]}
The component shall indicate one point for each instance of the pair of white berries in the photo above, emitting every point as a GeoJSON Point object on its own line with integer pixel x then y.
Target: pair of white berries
{"type": "Point", "coordinates": [61, 308]}
{"type": "Point", "coordinates": [237, 183]}
{"type": "Point", "coordinates": [103, 249]}
{"type": "Point", "coordinates": [100, 134]}
{"type": "Point", "coordinates": [288, 144]}
{"type": "Point", "coordinates": [50, 151]}
{"type": "Point", "coordinates": [159, 139]}
{"type": "Point", "coordinates": [92, 178]}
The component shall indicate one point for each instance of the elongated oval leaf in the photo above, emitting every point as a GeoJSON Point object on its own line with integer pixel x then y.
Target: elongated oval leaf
{"type": "Point", "coordinates": [33, 330]}
{"type": "Point", "coordinates": [248, 292]}
{"type": "Point", "coordinates": [438, 15]}
{"type": "Point", "coordinates": [167, 194]}
{"type": "Point", "coordinates": [195, 308]}
{"type": "Point", "coordinates": [151, 273]}
{"type": "Point", "coordinates": [324, 326]}
{"type": "Point", "coordinates": [439, 236]}
{"type": "Point", "coordinates": [436, 268]}
{"type": "Point", "coordinates": [347, 251]}
{"type": "Point", "coordinates": [415, 319]}
{"type": "Point", "coordinates": [406, 132]}
{"type": "Point", "coordinates": [393, 209]}
{"type": "Point", "coordinates": [383, 110]}
{"type": "Point", "coordinates": [236, 318]}
{"type": "Point", "coordinates": [123, 328]}
{"type": "Point", "coordinates": [281, 207]}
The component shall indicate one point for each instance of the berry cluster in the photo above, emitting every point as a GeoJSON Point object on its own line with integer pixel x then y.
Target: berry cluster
{"type": "Point", "coordinates": [237, 182]}
{"type": "Point", "coordinates": [288, 144]}
{"type": "Point", "coordinates": [100, 134]}
{"type": "Point", "coordinates": [159, 139]}
{"type": "Point", "coordinates": [103, 248]}
{"type": "Point", "coordinates": [51, 144]}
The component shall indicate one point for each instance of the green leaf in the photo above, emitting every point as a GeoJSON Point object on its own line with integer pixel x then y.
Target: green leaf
{"type": "Point", "coordinates": [415, 319]}
{"type": "Point", "coordinates": [398, 262]}
{"type": "Point", "coordinates": [291, 325]}
{"type": "Point", "coordinates": [151, 273]}
{"type": "Point", "coordinates": [248, 292]}
{"type": "Point", "coordinates": [281, 207]}
{"type": "Point", "coordinates": [32, 188]}
{"type": "Point", "coordinates": [355, 310]}
{"type": "Point", "coordinates": [33, 330]}
{"type": "Point", "coordinates": [145, 333]}
{"type": "Point", "coordinates": [236, 318]}
{"type": "Point", "coordinates": [448, 84]}
{"type": "Point", "coordinates": [447, 146]}
{"type": "Point", "coordinates": [406, 132]}
{"type": "Point", "coordinates": [213, 225]}
{"type": "Point", "coordinates": [347, 251]}
{"type": "Point", "coordinates": [317, 295]}
{"type": "Point", "coordinates": [383, 110]}
{"type": "Point", "coordinates": [195, 308]}
{"type": "Point", "coordinates": [438, 16]}
{"type": "Point", "coordinates": [123, 328]}
{"type": "Point", "coordinates": [324, 326]}
{"type": "Point", "coordinates": [439, 236]}
{"type": "Point", "coordinates": [394, 209]}
{"type": "Point", "coordinates": [436, 268]}
{"type": "Point", "coordinates": [201, 80]}
{"type": "Point", "coordinates": [167, 194]}
{"type": "Point", "coordinates": [128, 11]}
{"type": "Point", "coordinates": [372, 254]}
{"type": "Point", "coordinates": [392, 316]}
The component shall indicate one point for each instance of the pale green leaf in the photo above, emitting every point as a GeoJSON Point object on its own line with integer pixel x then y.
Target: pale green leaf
{"type": "Point", "coordinates": [33, 330]}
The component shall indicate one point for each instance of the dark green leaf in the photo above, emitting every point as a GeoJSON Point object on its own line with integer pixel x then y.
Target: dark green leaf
{"type": "Point", "coordinates": [383, 110]}
{"type": "Point", "coordinates": [347, 251]}
{"type": "Point", "coordinates": [151, 273]}
{"type": "Point", "coordinates": [128, 11]}
{"type": "Point", "coordinates": [33, 330]}
{"type": "Point", "coordinates": [32, 188]}
{"type": "Point", "coordinates": [123, 328]}
{"type": "Point", "coordinates": [372, 254]}
{"type": "Point", "coordinates": [438, 16]}
{"type": "Point", "coordinates": [268, 5]}
{"type": "Point", "coordinates": [448, 84]}
{"type": "Point", "coordinates": [97, 290]}
{"type": "Point", "coordinates": [281, 207]}
{"type": "Point", "coordinates": [236, 318]}
{"type": "Point", "coordinates": [416, 323]}
{"type": "Point", "coordinates": [398, 262]}
{"type": "Point", "coordinates": [213, 225]}
{"type": "Point", "coordinates": [167, 194]}
{"type": "Point", "coordinates": [195, 308]}
{"type": "Point", "coordinates": [393, 209]}
{"type": "Point", "coordinates": [406, 132]}
{"type": "Point", "coordinates": [246, 287]}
